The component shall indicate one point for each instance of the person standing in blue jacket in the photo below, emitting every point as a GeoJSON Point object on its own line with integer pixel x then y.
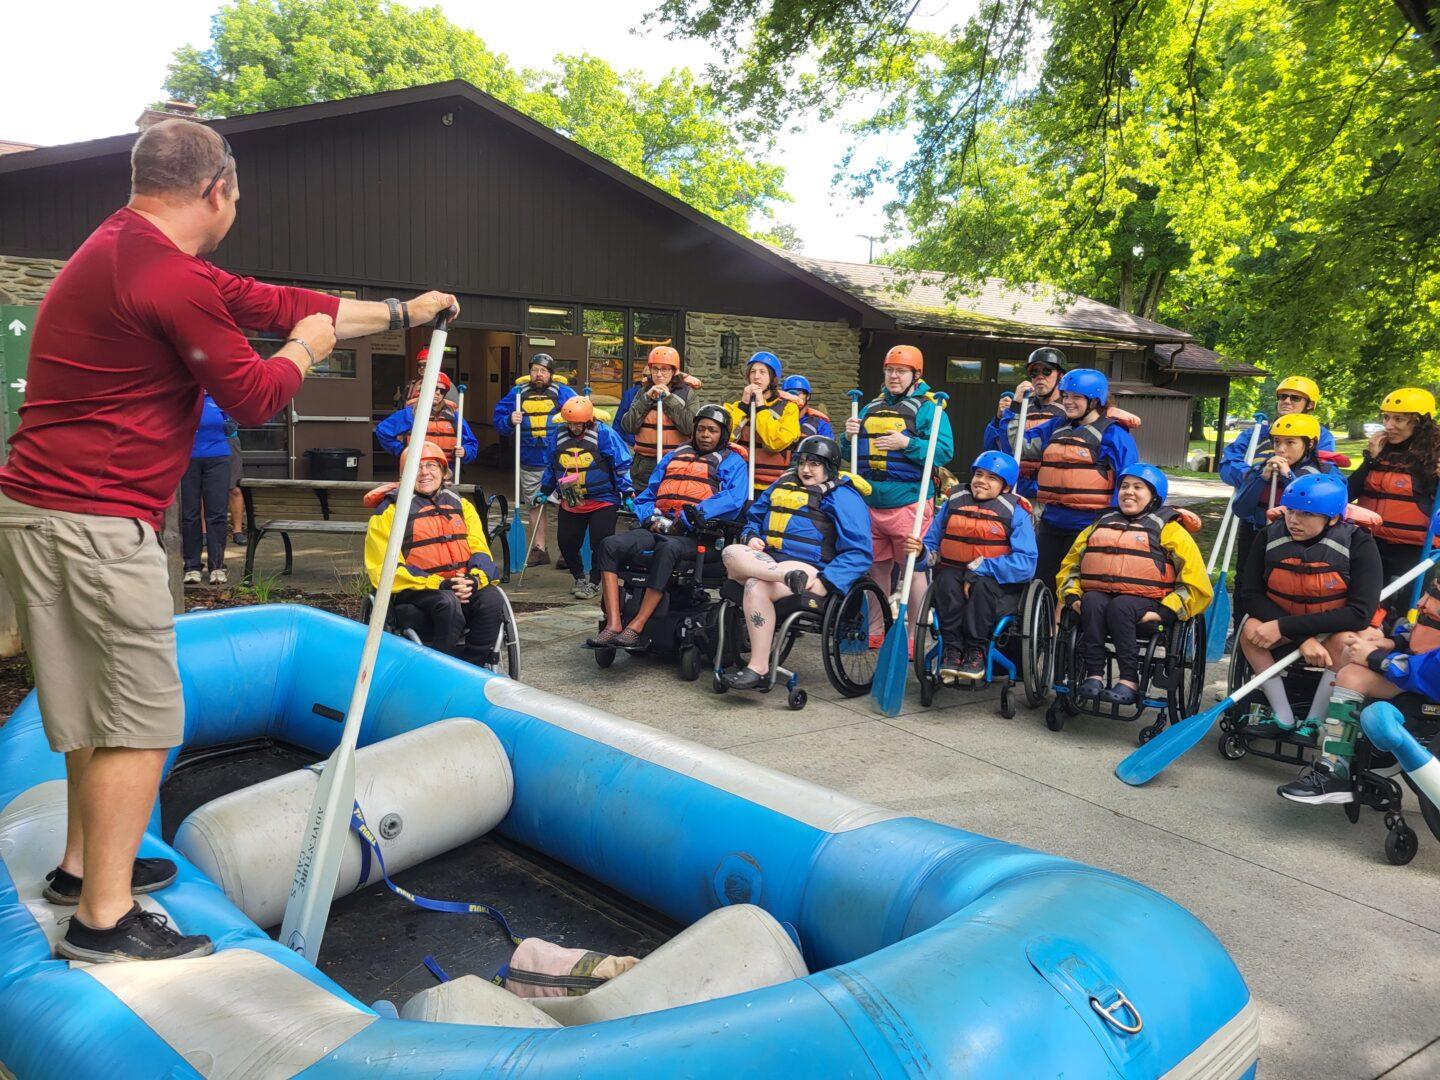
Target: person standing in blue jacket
{"type": "Point", "coordinates": [206, 484]}
{"type": "Point", "coordinates": [982, 546]}
{"type": "Point", "coordinates": [588, 467]}
{"type": "Point", "coordinates": [394, 431]}
{"type": "Point", "coordinates": [1296, 394]}
{"type": "Point", "coordinates": [701, 481]}
{"type": "Point", "coordinates": [808, 532]}
{"type": "Point", "coordinates": [530, 407]}
{"type": "Point", "coordinates": [1080, 456]}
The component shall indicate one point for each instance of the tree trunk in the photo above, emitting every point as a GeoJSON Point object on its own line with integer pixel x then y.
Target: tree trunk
{"type": "Point", "coordinates": [1154, 288]}
{"type": "Point", "coordinates": [1355, 428]}
{"type": "Point", "coordinates": [1197, 419]}
{"type": "Point", "coordinates": [1127, 286]}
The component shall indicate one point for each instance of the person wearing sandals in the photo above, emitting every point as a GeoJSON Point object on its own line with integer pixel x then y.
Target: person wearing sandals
{"type": "Point", "coordinates": [702, 480]}
{"type": "Point", "coordinates": [807, 532]}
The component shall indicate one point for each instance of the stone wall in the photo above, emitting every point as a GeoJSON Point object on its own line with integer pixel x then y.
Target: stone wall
{"type": "Point", "coordinates": [25, 281]}
{"type": "Point", "coordinates": [826, 353]}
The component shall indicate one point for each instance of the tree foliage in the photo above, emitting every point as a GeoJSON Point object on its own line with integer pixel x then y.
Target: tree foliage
{"type": "Point", "coordinates": [1260, 172]}
{"type": "Point", "coordinates": [270, 54]}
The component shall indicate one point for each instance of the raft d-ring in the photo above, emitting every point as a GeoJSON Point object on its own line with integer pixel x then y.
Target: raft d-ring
{"type": "Point", "coordinates": [1107, 1012]}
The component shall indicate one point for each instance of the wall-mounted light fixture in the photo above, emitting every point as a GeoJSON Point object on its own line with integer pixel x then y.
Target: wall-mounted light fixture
{"type": "Point", "coordinates": [729, 349]}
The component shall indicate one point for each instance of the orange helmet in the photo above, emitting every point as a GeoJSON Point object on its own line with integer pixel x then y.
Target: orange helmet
{"type": "Point", "coordinates": [905, 356]}
{"type": "Point", "coordinates": [428, 452]}
{"type": "Point", "coordinates": [577, 410]}
{"type": "Point", "coordinates": [664, 356]}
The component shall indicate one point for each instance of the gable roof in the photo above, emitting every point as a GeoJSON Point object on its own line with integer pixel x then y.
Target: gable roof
{"type": "Point", "coordinates": [460, 90]}
{"type": "Point", "coordinates": [930, 300]}
{"type": "Point", "coordinates": [1194, 357]}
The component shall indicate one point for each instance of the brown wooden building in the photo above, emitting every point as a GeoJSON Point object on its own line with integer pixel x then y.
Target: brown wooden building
{"type": "Point", "coordinates": [553, 248]}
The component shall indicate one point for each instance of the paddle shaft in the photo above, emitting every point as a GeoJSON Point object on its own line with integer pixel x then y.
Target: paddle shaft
{"type": "Point", "coordinates": [1020, 427]}
{"type": "Point", "coordinates": [1230, 522]}
{"type": "Point", "coordinates": [930, 445]}
{"type": "Point", "coordinates": [752, 448]}
{"type": "Point", "coordinates": [323, 844]}
{"type": "Point", "coordinates": [855, 396]}
{"type": "Point", "coordinates": [459, 431]}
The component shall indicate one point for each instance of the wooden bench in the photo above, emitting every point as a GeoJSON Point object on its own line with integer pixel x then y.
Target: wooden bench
{"type": "Point", "coordinates": [291, 506]}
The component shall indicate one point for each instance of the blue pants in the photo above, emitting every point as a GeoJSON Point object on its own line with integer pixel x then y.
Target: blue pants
{"type": "Point", "coordinates": [206, 481]}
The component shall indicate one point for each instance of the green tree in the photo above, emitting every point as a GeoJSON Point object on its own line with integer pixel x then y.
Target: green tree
{"type": "Point", "coordinates": [270, 54]}
{"type": "Point", "coordinates": [1257, 171]}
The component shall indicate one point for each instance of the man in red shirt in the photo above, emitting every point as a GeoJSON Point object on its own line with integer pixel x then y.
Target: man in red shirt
{"type": "Point", "coordinates": [132, 332]}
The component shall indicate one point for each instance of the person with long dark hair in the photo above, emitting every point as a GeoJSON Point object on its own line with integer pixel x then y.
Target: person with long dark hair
{"type": "Point", "coordinates": [1398, 477]}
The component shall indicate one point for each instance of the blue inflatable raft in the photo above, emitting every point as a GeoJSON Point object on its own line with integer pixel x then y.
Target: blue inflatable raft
{"type": "Point", "coordinates": [931, 952]}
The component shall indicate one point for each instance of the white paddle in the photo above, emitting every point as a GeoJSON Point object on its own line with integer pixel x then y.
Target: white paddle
{"type": "Point", "coordinates": [323, 845]}
{"type": "Point", "coordinates": [752, 448]}
{"type": "Point", "coordinates": [459, 432]}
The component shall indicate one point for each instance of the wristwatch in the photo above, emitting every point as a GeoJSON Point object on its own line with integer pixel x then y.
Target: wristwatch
{"type": "Point", "coordinates": [399, 314]}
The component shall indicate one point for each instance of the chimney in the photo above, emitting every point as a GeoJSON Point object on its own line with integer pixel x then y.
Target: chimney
{"type": "Point", "coordinates": [168, 111]}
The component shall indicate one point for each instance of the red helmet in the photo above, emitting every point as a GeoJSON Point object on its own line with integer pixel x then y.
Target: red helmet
{"type": "Point", "coordinates": [905, 356]}
{"type": "Point", "coordinates": [442, 380]}
{"type": "Point", "coordinates": [577, 410]}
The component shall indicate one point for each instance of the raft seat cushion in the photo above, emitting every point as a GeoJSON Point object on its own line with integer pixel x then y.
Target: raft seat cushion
{"type": "Point", "coordinates": [732, 950]}
{"type": "Point", "coordinates": [471, 1000]}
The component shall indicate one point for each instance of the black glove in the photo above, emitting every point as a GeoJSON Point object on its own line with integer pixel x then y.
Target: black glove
{"type": "Point", "coordinates": [690, 519]}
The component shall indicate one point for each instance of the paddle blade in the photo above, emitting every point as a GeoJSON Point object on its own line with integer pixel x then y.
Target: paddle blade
{"type": "Point", "coordinates": [518, 551]}
{"type": "Point", "coordinates": [585, 552]}
{"type": "Point", "coordinates": [1217, 622]}
{"type": "Point", "coordinates": [322, 849]}
{"type": "Point", "coordinates": [1144, 764]}
{"type": "Point", "coordinates": [892, 668]}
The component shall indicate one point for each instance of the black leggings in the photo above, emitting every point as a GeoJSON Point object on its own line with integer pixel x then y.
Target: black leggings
{"type": "Point", "coordinates": [571, 534]}
{"type": "Point", "coordinates": [479, 617]}
{"type": "Point", "coordinates": [968, 621]}
{"type": "Point", "coordinates": [1115, 615]}
{"type": "Point", "coordinates": [623, 550]}
{"type": "Point", "coordinates": [207, 481]}
{"type": "Point", "coordinates": [1053, 545]}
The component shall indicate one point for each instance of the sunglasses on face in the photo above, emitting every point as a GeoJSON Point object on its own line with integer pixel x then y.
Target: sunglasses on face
{"type": "Point", "coordinates": [1040, 371]}
{"type": "Point", "coordinates": [225, 161]}
{"type": "Point", "coordinates": [1296, 399]}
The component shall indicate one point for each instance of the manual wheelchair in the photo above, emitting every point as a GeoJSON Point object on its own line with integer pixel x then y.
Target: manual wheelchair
{"type": "Point", "coordinates": [412, 625]}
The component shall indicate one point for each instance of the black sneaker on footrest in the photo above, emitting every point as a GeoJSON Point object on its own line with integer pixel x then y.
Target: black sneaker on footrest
{"type": "Point", "coordinates": [1317, 785]}
{"type": "Point", "coordinates": [139, 935]}
{"type": "Point", "coordinates": [147, 875]}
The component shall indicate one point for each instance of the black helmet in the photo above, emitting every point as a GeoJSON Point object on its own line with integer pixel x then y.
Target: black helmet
{"type": "Point", "coordinates": [544, 359]}
{"type": "Point", "coordinates": [822, 449]}
{"type": "Point", "coordinates": [719, 415]}
{"type": "Point", "coordinates": [1048, 356]}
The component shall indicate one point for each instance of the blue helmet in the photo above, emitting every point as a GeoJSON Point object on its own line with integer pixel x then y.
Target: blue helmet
{"type": "Point", "coordinates": [1002, 465]}
{"type": "Point", "coordinates": [794, 383]}
{"type": "Point", "coordinates": [769, 359]}
{"type": "Point", "coordinates": [1086, 381]}
{"type": "Point", "coordinates": [1318, 493]}
{"type": "Point", "coordinates": [1151, 475]}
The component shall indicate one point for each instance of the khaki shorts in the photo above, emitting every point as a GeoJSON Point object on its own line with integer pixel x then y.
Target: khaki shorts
{"type": "Point", "coordinates": [93, 598]}
{"type": "Point", "coordinates": [530, 483]}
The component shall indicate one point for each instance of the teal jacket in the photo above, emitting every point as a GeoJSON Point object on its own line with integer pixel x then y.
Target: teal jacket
{"type": "Point", "coordinates": [887, 494]}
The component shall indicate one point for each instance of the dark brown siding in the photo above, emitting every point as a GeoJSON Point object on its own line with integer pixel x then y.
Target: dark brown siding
{"type": "Point", "coordinates": [1163, 436]}
{"type": "Point", "coordinates": [395, 197]}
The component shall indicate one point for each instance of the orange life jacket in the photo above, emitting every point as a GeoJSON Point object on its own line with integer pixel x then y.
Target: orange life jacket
{"type": "Point", "coordinates": [770, 465]}
{"type": "Point", "coordinates": [1036, 415]}
{"type": "Point", "coordinates": [441, 432]}
{"type": "Point", "coordinates": [1390, 492]}
{"type": "Point", "coordinates": [1307, 578]}
{"type": "Point", "coordinates": [690, 478]}
{"type": "Point", "coordinates": [977, 530]}
{"type": "Point", "coordinates": [645, 434]}
{"type": "Point", "coordinates": [1426, 634]}
{"type": "Point", "coordinates": [436, 540]}
{"type": "Point", "coordinates": [1071, 472]}
{"type": "Point", "coordinates": [1124, 554]}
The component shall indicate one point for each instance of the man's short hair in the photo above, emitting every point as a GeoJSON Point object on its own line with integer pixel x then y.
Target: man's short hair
{"type": "Point", "coordinates": [178, 157]}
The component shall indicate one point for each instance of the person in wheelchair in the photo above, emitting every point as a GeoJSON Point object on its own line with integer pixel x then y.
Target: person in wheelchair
{"type": "Point", "coordinates": [446, 573]}
{"type": "Point", "coordinates": [702, 481]}
{"type": "Point", "coordinates": [807, 532]}
{"type": "Point", "coordinates": [982, 546]}
{"type": "Point", "coordinates": [1310, 573]}
{"type": "Point", "coordinates": [1137, 564]}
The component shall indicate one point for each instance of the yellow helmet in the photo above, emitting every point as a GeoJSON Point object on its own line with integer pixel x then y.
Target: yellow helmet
{"type": "Point", "coordinates": [1299, 384]}
{"type": "Point", "coordinates": [1409, 399]}
{"type": "Point", "coordinates": [1296, 426]}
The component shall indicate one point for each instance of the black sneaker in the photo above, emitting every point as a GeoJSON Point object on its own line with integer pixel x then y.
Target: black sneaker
{"type": "Point", "coordinates": [1318, 784]}
{"type": "Point", "coordinates": [951, 663]}
{"type": "Point", "coordinates": [139, 935]}
{"type": "Point", "coordinates": [147, 875]}
{"type": "Point", "coordinates": [974, 664]}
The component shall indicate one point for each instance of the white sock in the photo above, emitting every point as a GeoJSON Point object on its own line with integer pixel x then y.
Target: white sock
{"type": "Point", "coordinates": [1274, 690]}
{"type": "Point", "coordinates": [1321, 702]}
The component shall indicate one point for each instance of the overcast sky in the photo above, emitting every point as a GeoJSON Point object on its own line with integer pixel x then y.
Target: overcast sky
{"type": "Point", "coordinates": [84, 70]}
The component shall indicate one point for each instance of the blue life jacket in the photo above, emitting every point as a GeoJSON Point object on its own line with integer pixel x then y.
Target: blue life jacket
{"type": "Point", "coordinates": [796, 527]}
{"type": "Point", "coordinates": [584, 456]}
{"type": "Point", "coordinates": [881, 417]}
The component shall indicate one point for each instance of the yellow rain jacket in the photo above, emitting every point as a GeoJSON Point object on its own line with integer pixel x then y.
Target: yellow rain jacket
{"type": "Point", "coordinates": [445, 538]}
{"type": "Point", "coordinates": [1152, 554]}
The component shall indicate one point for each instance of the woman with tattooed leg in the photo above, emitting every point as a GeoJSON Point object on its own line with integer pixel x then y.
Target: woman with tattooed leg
{"type": "Point", "coordinates": [808, 532]}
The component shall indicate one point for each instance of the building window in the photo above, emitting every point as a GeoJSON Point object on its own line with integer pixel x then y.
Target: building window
{"type": "Point", "coordinates": [1008, 374]}
{"type": "Point", "coordinates": [1105, 362]}
{"type": "Point", "coordinates": [340, 364]}
{"type": "Point", "coordinates": [605, 330]}
{"type": "Point", "coordinates": [964, 369]}
{"type": "Point", "coordinates": [1133, 368]}
{"type": "Point", "coordinates": [556, 318]}
{"type": "Point", "coordinates": [652, 329]}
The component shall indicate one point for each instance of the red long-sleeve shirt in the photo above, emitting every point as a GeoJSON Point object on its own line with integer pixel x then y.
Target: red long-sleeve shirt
{"type": "Point", "coordinates": [130, 332]}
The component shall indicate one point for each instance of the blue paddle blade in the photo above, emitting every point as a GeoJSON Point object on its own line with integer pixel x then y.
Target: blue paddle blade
{"type": "Point", "coordinates": [892, 667]}
{"type": "Point", "coordinates": [1217, 622]}
{"type": "Point", "coordinates": [519, 552]}
{"type": "Point", "coordinates": [585, 552]}
{"type": "Point", "coordinates": [1144, 764]}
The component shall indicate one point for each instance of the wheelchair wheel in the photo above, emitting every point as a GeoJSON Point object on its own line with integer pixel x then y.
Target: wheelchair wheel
{"type": "Point", "coordinates": [1185, 661]}
{"type": "Point", "coordinates": [845, 637]}
{"type": "Point", "coordinates": [1401, 844]}
{"type": "Point", "coordinates": [1066, 665]}
{"type": "Point", "coordinates": [507, 660]}
{"type": "Point", "coordinates": [1007, 703]}
{"type": "Point", "coordinates": [927, 651]}
{"type": "Point", "coordinates": [1037, 643]}
{"type": "Point", "coordinates": [689, 663]}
